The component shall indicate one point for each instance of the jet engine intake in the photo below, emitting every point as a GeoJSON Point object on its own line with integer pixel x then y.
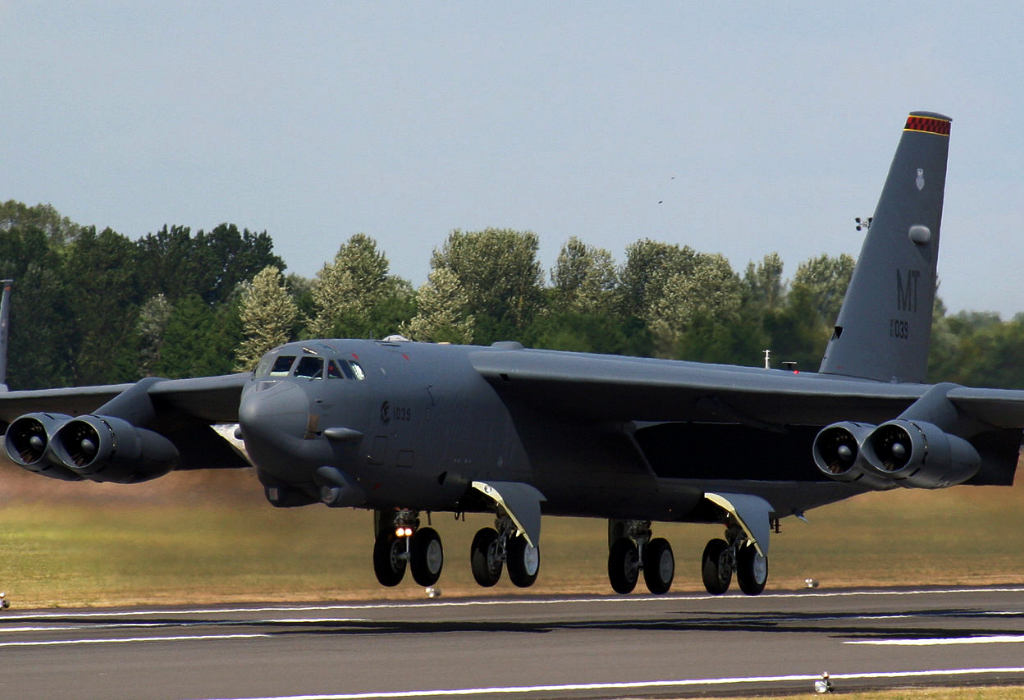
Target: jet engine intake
{"type": "Point", "coordinates": [104, 448]}
{"type": "Point", "coordinates": [917, 454]}
{"type": "Point", "coordinates": [838, 454]}
{"type": "Point", "coordinates": [27, 443]}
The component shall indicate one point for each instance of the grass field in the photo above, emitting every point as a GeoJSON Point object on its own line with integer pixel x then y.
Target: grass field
{"type": "Point", "coordinates": [208, 537]}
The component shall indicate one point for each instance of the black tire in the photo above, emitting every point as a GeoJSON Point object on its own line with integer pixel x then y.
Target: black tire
{"type": "Point", "coordinates": [715, 568]}
{"type": "Point", "coordinates": [426, 556]}
{"type": "Point", "coordinates": [751, 570]}
{"type": "Point", "coordinates": [659, 566]}
{"type": "Point", "coordinates": [623, 566]}
{"type": "Point", "coordinates": [388, 565]}
{"type": "Point", "coordinates": [523, 562]}
{"type": "Point", "coordinates": [484, 559]}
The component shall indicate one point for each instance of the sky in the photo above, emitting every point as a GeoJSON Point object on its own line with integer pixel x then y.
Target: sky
{"type": "Point", "coordinates": [734, 128]}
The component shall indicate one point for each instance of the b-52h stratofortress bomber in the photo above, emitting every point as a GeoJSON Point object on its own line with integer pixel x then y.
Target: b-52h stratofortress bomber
{"type": "Point", "coordinates": [403, 428]}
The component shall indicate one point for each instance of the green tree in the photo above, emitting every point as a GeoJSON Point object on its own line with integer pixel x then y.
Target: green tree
{"type": "Point", "coordinates": [499, 271]}
{"type": "Point", "coordinates": [103, 300]}
{"type": "Point", "coordinates": [154, 315]}
{"type": "Point", "coordinates": [826, 279]}
{"type": "Point", "coordinates": [58, 230]}
{"type": "Point", "coordinates": [200, 340]}
{"type": "Point", "coordinates": [441, 311]}
{"type": "Point", "coordinates": [764, 284]}
{"type": "Point", "coordinates": [175, 263]}
{"type": "Point", "coordinates": [705, 296]}
{"type": "Point", "coordinates": [350, 294]}
{"type": "Point", "coordinates": [268, 315]}
{"type": "Point", "coordinates": [583, 278]}
{"type": "Point", "coordinates": [647, 269]}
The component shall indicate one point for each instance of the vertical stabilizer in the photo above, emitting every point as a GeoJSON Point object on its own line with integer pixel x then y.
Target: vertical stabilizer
{"type": "Point", "coordinates": [885, 324]}
{"type": "Point", "coordinates": [5, 316]}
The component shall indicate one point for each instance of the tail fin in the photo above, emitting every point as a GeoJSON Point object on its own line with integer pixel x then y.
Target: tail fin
{"type": "Point", "coordinates": [885, 324]}
{"type": "Point", "coordinates": [5, 315]}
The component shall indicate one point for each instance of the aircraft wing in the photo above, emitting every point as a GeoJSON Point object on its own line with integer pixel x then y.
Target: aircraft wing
{"type": "Point", "coordinates": [205, 399]}
{"type": "Point", "coordinates": [611, 388]}
{"type": "Point", "coordinates": [1003, 408]}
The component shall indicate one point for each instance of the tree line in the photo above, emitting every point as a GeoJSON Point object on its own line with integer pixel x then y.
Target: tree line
{"type": "Point", "coordinates": [95, 307]}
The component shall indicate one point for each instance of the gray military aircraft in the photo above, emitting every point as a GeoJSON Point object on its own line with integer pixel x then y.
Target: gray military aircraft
{"type": "Point", "coordinates": [403, 428]}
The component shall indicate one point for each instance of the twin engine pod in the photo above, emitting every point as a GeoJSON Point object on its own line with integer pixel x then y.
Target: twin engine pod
{"type": "Point", "coordinates": [901, 452]}
{"type": "Point", "coordinates": [99, 448]}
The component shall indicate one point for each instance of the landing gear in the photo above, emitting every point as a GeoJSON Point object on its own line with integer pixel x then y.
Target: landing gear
{"type": "Point", "coordinates": [485, 556]}
{"type": "Point", "coordinates": [751, 570]}
{"type": "Point", "coordinates": [717, 565]}
{"type": "Point", "coordinates": [659, 566]}
{"type": "Point", "coordinates": [389, 558]}
{"type": "Point", "coordinates": [494, 547]}
{"type": "Point", "coordinates": [623, 566]}
{"type": "Point", "coordinates": [523, 561]}
{"type": "Point", "coordinates": [735, 554]}
{"type": "Point", "coordinates": [631, 550]}
{"type": "Point", "coordinates": [401, 542]}
{"type": "Point", "coordinates": [426, 556]}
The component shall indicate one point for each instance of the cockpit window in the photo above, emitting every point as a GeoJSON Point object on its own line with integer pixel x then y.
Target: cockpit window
{"type": "Point", "coordinates": [310, 367]}
{"type": "Point", "coordinates": [344, 369]}
{"type": "Point", "coordinates": [357, 370]}
{"type": "Point", "coordinates": [275, 366]}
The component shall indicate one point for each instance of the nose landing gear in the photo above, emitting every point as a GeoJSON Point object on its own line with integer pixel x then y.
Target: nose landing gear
{"type": "Point", "coordinates": [401, 542]}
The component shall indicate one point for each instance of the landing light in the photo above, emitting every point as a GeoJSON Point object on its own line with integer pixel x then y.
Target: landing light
{"type": "Point", "coordinates": [403, 532]}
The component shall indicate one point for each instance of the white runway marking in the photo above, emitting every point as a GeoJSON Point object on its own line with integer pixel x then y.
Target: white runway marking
{"type": "Point", "coordinates": [990, 639]}
{"type": "Point", "coordinates": [488, 603]}
{"type": "Point", "coordinates": [640, 685]}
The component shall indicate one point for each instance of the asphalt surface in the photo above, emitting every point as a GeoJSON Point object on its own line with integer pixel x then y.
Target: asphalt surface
{"type": "Point", "coordinates": [632, 646]}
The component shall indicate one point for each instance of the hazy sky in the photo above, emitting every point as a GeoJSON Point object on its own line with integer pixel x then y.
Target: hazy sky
{"type": "Point", "coordinates": [740, 128]}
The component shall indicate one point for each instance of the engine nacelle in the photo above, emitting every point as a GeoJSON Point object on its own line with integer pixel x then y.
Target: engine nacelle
{"type": "Point", "coordinates": [104, 448]}
{"type": "Point", "coordinates": [921, 455]}
{"type": "Point", "coordinates": [28, 440]}
{"type": "Point", "coordinates": [839, 455]}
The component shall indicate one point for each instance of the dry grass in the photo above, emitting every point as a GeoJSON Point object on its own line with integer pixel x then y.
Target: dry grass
{"type": "Point", "coordinates": [974, 693]}
{"type": "Point", "coordinates": [209, 537]}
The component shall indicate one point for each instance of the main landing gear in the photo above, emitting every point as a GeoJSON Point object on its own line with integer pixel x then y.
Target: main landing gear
{"type": "Point", "coordinates": [735, 554]}
{"type": "Point", "coordinates": [401, 542]}
{"type": "Point", "coordinates": [500, 546]}
{"type": "Point", "coordinates": [631, 550]}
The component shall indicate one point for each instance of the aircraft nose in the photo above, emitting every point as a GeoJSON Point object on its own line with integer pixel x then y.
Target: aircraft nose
{"type": "Point", "coordinates": [273, 419]}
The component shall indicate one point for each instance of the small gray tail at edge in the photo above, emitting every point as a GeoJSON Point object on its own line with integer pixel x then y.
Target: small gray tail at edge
{"type": "Point", "coordinates": [5, 316]}
{"type": "Point", "coordinates": [884, 326]}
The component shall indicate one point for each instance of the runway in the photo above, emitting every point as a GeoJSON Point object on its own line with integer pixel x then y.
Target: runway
{"type": "Point", "coordinates": [524, 647]}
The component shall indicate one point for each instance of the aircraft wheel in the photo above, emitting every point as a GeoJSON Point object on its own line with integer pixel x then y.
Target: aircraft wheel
{"type": "Point", "coordinates": [485, 557]}
{"type": "Point", "coordinates": [523, 562]}
{"type": "Point", "coordinates": [751, 570]}
{"type": "Point", "coordinates": [426, 556]}
{"type": "Point", "coordinates": [388, 559]}
{"type": "Point", "coordinates": [623, 566]}
{"type": "Point", "coordinates": [659, 566]}
{"type": "Point", "coordinates": [716, 567]}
